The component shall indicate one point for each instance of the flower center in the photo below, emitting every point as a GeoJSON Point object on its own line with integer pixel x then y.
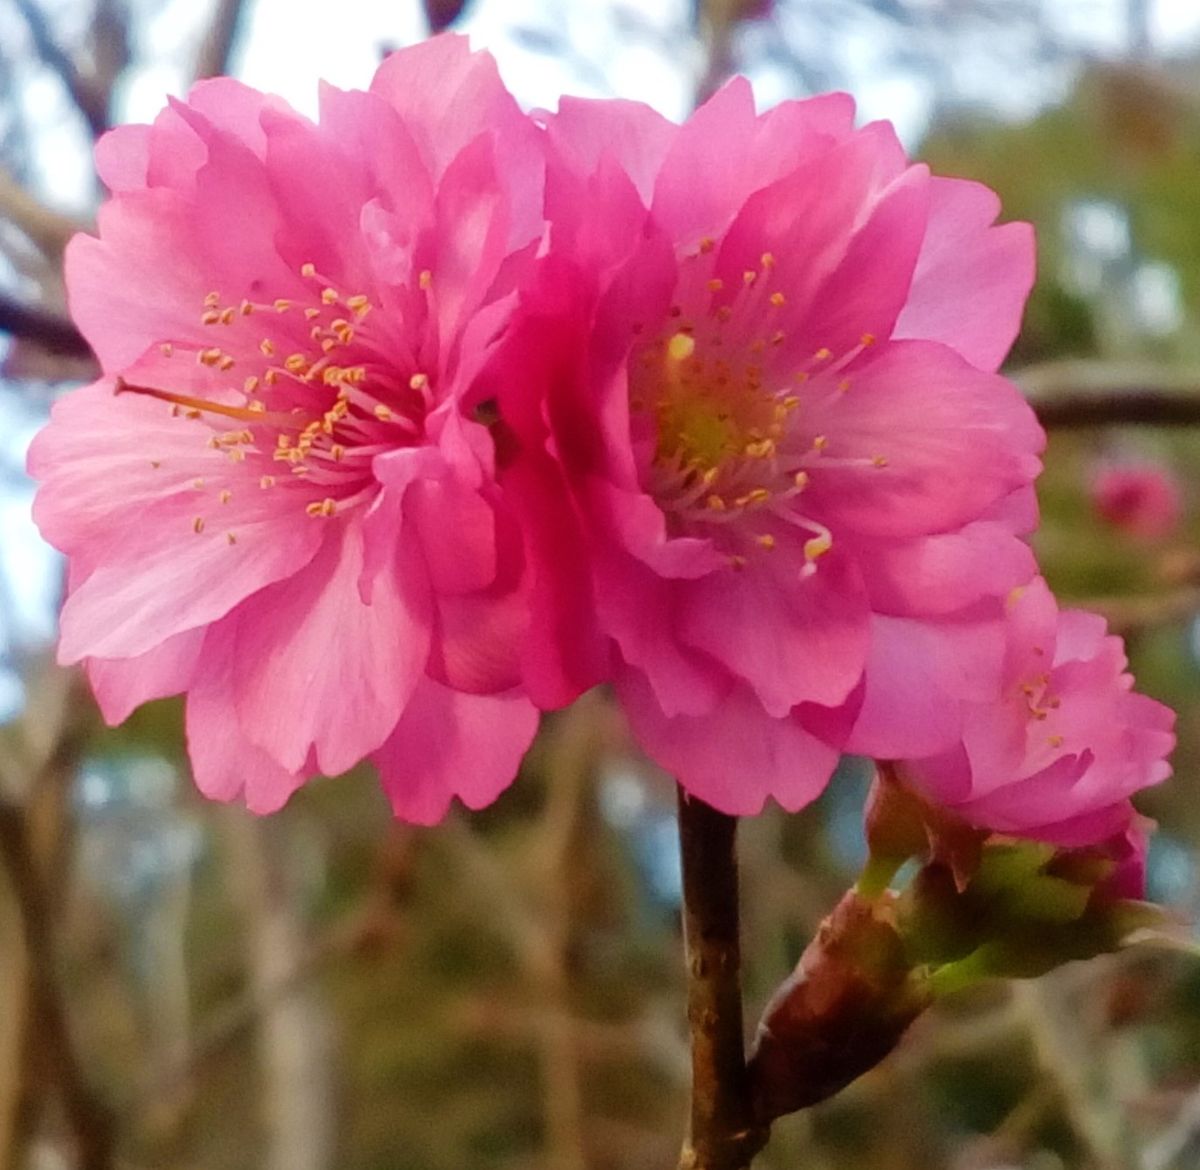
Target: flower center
{"type": "Point", "coordinates": [318, 393]}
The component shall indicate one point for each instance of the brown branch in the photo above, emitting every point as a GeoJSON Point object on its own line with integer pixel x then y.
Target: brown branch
{"type": "Point", "coordinates": [723, 1134]}
{"type": "Point", "coordinates": [48, 230]}
{"type": "Point", "coordinates": [90, 97]}
{"type": "Point", "coordinates": [47, 329]}
{"type": "Point", "coordinates": [1135, 405]}
{"type": "Point", "coordinates": [222, 37]}
{"type": "Point", "coordinates": [90, 1121]}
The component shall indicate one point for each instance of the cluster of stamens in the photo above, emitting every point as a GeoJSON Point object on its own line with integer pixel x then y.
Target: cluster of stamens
{"type": "Point", "coordinates": [322, 397]}
{"type": "Point", "coordinates": [733, 453]}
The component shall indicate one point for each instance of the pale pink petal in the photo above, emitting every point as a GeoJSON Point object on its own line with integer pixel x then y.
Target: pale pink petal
{"type": "Point", "coordinates": [123, 684]}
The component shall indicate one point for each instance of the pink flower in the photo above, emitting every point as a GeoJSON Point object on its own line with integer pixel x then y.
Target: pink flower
{"type": "Point", "coordinates": [769, 419]}
{"type": "Point", "coordinates": [272, 500]}
{"type": "Point", "coordinates": [1057, 755]}
{"type": "Point", "coordinates": [1143, 499]}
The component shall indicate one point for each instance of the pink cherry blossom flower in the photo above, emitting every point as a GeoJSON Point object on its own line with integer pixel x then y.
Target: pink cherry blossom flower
{"type": "Point", "coordinates": [1065, 744]}
{"type": "Point", "coordinates": [271, 500]}
{"type": "Point", "coordinates": [1144, 499]}
{"type": "Point", "coordinates": [768, 420]}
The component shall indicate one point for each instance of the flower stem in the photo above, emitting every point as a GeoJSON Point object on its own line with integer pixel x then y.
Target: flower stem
{"type": "Point", "coordinates": [723, 1134]}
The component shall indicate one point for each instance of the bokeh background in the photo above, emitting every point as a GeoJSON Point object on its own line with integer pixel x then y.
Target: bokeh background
{"type": "Point", "coordinates": [182, 985]}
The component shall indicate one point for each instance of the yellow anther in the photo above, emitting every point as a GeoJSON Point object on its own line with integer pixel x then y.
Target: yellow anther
{"type": "Point", "coordinates": [337, 452]}
{"type": "Point", "coordinates": [762, 449]}
{"type": "Point", "coordinates": [768, 260]}
{"type": "Point", "coordinates": [267, 346]}
{"type": "Point", "coordinates": [198, 525]}
{"type": "Point", "coordinates": [245, 308]}
{"type": "Point", "coordinates": [707, 244]}
{"type": "Point", "coordinates": [237, 455]}
{"type": "Point", "coordinates": [325, 507]}
{"type": "Point", "coordinates": [358, 303]}
{"type": "Point", "coordinates": [225, 496]}
{"type": "Point", "coordinates": [778, 299]}
{"type": "Point", "coordinates": [329, 296]}
{"type": "Point", "coordinates": [267, 481]}
{"type": "Point", "coordinates": [1055, 741]}
{"type": "Point", "coordinates": [226, 363]}
{"type": "Point", "coordinates": [425, 278]}
{"type": "Point", "coordinates": [271, 377]}
{"type": "Point", "coordinates": [680, 347]}
{"type": "Point", "coordinates": [250, 384]}
{"type": "Point", "coordinates": [749, 276]}
{"type": "Point", "coordinates": [766, 540]}
{"type": "Point", "coordinates": [716, 284]}
{"type": "Point", "coordinates": [312, 314]}
{"type": "Point", "coordinates": [817, 546]}
{"type": "Point", "coordinates": [800, 479]}
{"type": "Point", "coordinates": [257, 408]}
{"type": "Point", "coordinates": [198, 484]}
{"type": "Point", "coordinates": [382, 412]}
{"type": "Point", "coordinates": [156, 463]}
{"type": "Point", "coordinates": [329, 345]}
{"type": "Point", "coordinates": [295, 363]}
{"type": "Point", "coordinates": [820, 443]}
{"type": "Point", "coordinates": [418, 381]}
{"type": "Point", "coordinates": [227, 315]}
{"type": "Point", "coordinates": [879, 461]}
{"type": "Point", "coordinates": [868, 339]}
{"type": "Point", "coordinates": [212, 300]}
{"type": "Point", "coordinates": [282, 304]}
{"type": "Point", "coordinates": [758, 495]}
{"type": "Point", "coordinates": [166, 349]}
{"type": "Point", "coordinates": [823, 354]}
{"type": "Point", "coordinates": [308, 271]}
{"type": "Point", "coordinates": [193, 413]}
{"type": "Point", "coordinates": [737, 562]}
{"type": "Point", "coordinates": [791, 402]}
{"type": "Point", "coordinates": [715, 503]}
{"type": "Point", "coordinates": [209, 317]}
{"type": "Point", "coordinates": [800, 376]}
{"type": "Point", "coordinates": [230, 538]}
{"type": "Point", "coordinates": [843, 386]}
{"type": "Point", "coordinates": [209, 357]}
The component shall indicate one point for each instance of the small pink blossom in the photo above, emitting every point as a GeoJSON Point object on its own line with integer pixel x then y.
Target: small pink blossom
{"type": "Point", "coordinates": [767, 425]}
{"type": "Point", "coordinates": [1064, 744]}
{"type": "Point", "coordinates": [271, 500]}
{"type": "Point", "coordinates": [1143, 499]}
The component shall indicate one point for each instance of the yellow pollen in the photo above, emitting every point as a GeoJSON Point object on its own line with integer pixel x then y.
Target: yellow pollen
{"type": "Point", "coordinates": [766, 540]}
{"type": "Point", "coordinates": [308, 271]}
{"type": "Point", "coordinates": [425, 279]}
{"type": "Point", "coordinates": [208, 357]}
{"type": "Point", "coordinates": [843, 386]}
{"type": "Point", "coordinates": [198, 483]}
{"type": "Point", "coordinates": [418, 381]}
{"type": "Point", "coordinates": [818, 546]}
{"type": "Point", "coordinates": [768, 260]}
{"type": "Point", "coordinates": [295, 363]}
{"type": "Point", "coordinates": [868, 339]}
{"type": "Point", "coordinates": [328, 345]}
{"type": "Point", "coordinates": [246, 308]}
{"type": "Point", "coordinates": [716, 503]}
{"type": "Point", "coordinates": [271, 377]}
{"type": "Point", "coordinates": [382, 412]}
{"type": "Point", "coordinates": [329, 296]}
{"type": "Point", "coordinates": [237, 455]}
{"type": "Point", "coordinates": [311, 314]}
{"type": "Point", "coordinates": [820, 443]}
{"type": "Point", "coordinates": [225, 496]}
{"type": "Point", "coordinates": [226, 363]}
{"type": "Point", "coordinates": [716, 284]}
{"type": "Point", "coordinates": [680, 347]}
{"type": "Point", "coordinates": [762, 449]}
{"type": "Point", "coordinates": [267, 481]}
{"type": "Point", "coordinates": [358, 303]}
{"type": "Point", "coordinates": [282, 305]}
{"type": "Point", "coordinates": [166, 349]}
{"type": "Point", "coordinates": [250, 384]}
{"type": "Point", "coordinates": [230, 538]}
{"type": "Point", "coordinates": [337, 452]}
{"type": "Point", "coordinates": [758, 495]}
{"type": "Point", "coordinates": [1055, 741]}
{"type": "Point", "coordinates": [325, 507]}
{"type": "Point", "coordinates": [823, 354]}
{"type": "Point", "coordinates": [791, 402]}
{"type": "Point", "coordinates": [879, 461]}
{"type": "Point", "coordinates": [209, 317]}
{"type": "Point", "coordinates": [267, 346]}
{"type": "Point", "coordinates": [227, 315]}
{"type": "Point", "coordinates": [212, 300]}
{"type": "Point", "coordinates": [257, 408]}
{"type": "Point", "coordinates": [800, 479]}
{"type": "Point", "coordinates": [778, 299]}
{"type": "Point", "coordinates": [193, 413]}
{"type": "Point", "coordinates": [198, 525]}
{"type": "Point", "coordinates": [749, 276]}
{"type": "Point", "coordinates": [800, 376]}
{"type": "Point", "coordinates": [707, 244]}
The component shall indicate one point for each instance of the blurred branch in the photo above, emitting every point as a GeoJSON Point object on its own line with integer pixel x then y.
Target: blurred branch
{"type": "Point", "coordinates": [90, 94]}
{"type": "Point", "coordinates": [723, 1134]}
{"type": "Point", "coordinates": [1075, 394]}
{"type": "Point", "coordinates": [49, 230]}
{"type": "Point", "coordinates": [221, 39]}
{"type": "Point", "coordinates": [48, 329]}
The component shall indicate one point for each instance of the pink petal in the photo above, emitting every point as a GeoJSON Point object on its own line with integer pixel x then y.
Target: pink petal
{"type": "Point", "coordinates": [448, 744]}
{"type": "Point", "coordinates": [123, 684]}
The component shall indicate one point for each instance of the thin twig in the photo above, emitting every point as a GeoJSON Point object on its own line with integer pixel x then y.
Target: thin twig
{"type": "Point", "coordinates": [47, 229]}
{"type": "Point", "coordinates": [47, 329]}
{"type": "Point", "coordinates": [723, 1134]}
{"type": "Point", "coordinates": [221, 39]}
{"type": "Point", "coordinates": [1144, 406]}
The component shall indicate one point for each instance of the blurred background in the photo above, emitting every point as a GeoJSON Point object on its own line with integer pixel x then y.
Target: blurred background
{"type": "Point", "coordinates": [182, 985]}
